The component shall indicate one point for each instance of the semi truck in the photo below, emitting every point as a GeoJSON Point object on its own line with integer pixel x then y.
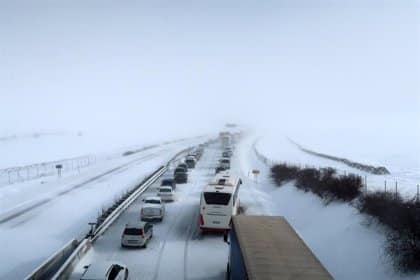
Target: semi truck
{"type": "Point", "coordinates": [267, 247]}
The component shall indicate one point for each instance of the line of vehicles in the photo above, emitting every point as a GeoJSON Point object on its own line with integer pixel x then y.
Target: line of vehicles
{"type": "Point", "coordinates": [138, 233]}
{"type": "Point", "coordinates": [260, 247]}
{"type": "Point", "coordinates": [219, 200]}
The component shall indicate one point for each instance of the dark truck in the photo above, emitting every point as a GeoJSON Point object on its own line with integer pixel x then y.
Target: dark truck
{"type": "Point", "coordinates": [263, 247]}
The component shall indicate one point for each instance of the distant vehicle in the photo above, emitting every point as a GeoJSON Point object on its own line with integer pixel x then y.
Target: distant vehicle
{"type": "Point", "coordinates": [227, 154]}
{"type": "Point", "coordinates": [197, 153]}
{"type": "Point", "coordinates": [224, 162]}
{"type": "Point", "coordinates": [219, 202]}
{"type": "Point", "coordinates": [152, 209]}
{"type": "Point", "coordinates": [190, 162]}
{"type": "Point", "coordinates": [181, 175]}
{"type": "Point", "coordinates": [105, 271]}
{"type": "Point", "coordinates": [168, 182]}
{"type": "Point", "coordinates": [137, 234]}
{"type": "Point", "coordinates": [220, 169]}
{"type": "Point", "coordinates": [182, 165]}
{"type": "Point", "coordinates": [166, 193]}
{"type": "Point", "coordinates": [263, 247]}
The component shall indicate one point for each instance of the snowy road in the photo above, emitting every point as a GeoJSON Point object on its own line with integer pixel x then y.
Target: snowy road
{"type": "Point", "coordinates": [177, 249]}
{"type": "Point", "coordinates": [64, 208]}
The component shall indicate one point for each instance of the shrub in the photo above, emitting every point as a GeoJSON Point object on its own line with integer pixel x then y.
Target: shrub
{"type": "Point", "coordinates": [282, 173]}
{"type": "Point", "coordinates": [346, 187]}
{"type": "Point", "coordinates": [309, 179]}
{"type": "Point", "coordinates": [323, 182]}
{"type": "Point", "coordinates": [403, 219]}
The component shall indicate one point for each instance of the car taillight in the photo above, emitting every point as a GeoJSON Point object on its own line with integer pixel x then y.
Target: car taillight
{"type": "Point", "coordinates": [201, 220]}
{"type": "Point", "coordinates": [142, 232]}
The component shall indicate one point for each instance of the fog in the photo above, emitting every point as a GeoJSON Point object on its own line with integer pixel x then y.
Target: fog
{"type": "Point", "coordinates": [331, 68]}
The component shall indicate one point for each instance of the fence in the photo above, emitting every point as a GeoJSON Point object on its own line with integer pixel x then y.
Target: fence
{"type": "Point", "coordinates": [20, 174]}
{"type": "Point", "coordinates": [371, 183]}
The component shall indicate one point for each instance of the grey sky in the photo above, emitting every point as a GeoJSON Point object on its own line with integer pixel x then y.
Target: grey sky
{"type": "Point", "coordinates": [111, 64]}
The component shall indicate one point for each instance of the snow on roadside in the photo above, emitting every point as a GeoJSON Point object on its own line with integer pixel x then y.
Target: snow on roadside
{"type": "Point", "coordinates": [336, 233]}
{"type": "Point", "coordinates": [282, 150]}
{"type": "Point", "coordinates": [67, 216]}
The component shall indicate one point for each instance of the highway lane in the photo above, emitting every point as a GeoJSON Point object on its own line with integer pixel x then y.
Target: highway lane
{"type": "Point", "coordinates": [38, 233]}
{"type": "Point", "coordinates": [177, 249]}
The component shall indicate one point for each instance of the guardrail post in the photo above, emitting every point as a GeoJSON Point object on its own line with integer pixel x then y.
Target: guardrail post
{"type": "Point", "coordinates": [92, 229]}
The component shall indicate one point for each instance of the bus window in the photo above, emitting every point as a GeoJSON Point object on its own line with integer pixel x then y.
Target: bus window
{"type": "Point", "coordinates": [217, 198]}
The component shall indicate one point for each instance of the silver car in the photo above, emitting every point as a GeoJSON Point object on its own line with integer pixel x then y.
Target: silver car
{"type": "Point", "coordinates": [152, 209]}
{"type": "Point", "coordinates": [137, 234]}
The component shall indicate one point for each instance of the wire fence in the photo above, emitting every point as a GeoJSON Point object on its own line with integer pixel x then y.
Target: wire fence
{"type": "Point", "coordinates": [370, 183]}
{"type": "Point", "coordinates": [20, 174]}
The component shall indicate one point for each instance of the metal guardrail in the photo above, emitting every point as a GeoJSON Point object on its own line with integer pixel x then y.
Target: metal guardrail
{"type": "Point", "coordinates": [50, 266]}
{"type": "Point", "coordinates": [18, 174]}
{"type": "Point", "coordinates": [60, 265]}
{"type": "Point", "coordinates": [65, 270]}
{"type": "Point", "coordinates": [126, 203]}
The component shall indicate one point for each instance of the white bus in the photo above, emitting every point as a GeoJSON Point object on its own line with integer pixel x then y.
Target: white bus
{"type": "Point", "coordinates": [219, 202]}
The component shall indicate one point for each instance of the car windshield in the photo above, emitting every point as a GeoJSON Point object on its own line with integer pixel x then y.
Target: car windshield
{"type": "Point", "coordinates": [133, 231]}
{"type": "Point", "coordinates": [152, 201]}
{"type": "Point", "coordinates": [165, 190]}
{"type": "Point", "coordinates": [217, 198]}
{"type": "Point", "coordinates": [115, 270]}
{"type": "Point", "coordinates": [166, 182]}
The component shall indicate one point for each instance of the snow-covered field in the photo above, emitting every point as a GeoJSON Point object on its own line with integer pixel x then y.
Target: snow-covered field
{"type": "Point", "coordinates": [405, 168]}
{"type": "Point", "coordinates": [337, 233]}
{"type": "Point", "coordinates": [62, 208]}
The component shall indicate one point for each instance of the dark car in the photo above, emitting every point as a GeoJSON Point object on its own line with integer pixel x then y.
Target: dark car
{"type": "Point", "coordinates": [181, 177]}
{"type": "Point", "coordinates": [190, 162]}
{"type": "Point", "coordinates": [183, 165]}
{"type": "Point", "coordinates": [168, 182]}
{"type": "Point", "coordinates": [220, 169]}
{"type": "Point", "coordinates": [181, 169]}
{"type": "Point", "coordinates": [227, 154]}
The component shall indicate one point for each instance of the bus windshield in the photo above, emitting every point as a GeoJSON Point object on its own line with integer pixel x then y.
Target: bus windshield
{"type": "Point", "coordinates": [217, 198]}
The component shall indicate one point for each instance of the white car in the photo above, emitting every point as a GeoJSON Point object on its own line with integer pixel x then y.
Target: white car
{"type": "Point", "coordinates": [152, 209]}
{"type": "Point", "coordinates": [166, 193]}
{"type": "Point", "coordinates": [137, 234]}
{"type": "Point", "coordinates": [105, 271]}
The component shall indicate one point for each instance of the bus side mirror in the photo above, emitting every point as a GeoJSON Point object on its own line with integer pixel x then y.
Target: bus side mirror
{"type": "Point", "coordinates": [225, 237]}
{"type": "Point", "coordinates": [240, 181]}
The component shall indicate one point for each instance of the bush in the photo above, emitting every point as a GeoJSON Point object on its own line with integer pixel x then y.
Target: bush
{"type": "Point", "coordinates": [323, 182]}
{"type": "Point", "coordinates": [281, 173]}
{"type": "Point", "coordinates": [403, 219]}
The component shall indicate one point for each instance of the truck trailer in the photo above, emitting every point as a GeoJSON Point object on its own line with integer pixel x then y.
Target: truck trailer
{"type": "Point", "coordinates": [268, 248]}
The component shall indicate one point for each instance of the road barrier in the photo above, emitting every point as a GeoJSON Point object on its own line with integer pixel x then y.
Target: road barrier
{"type": "Point", "coordinates": [53, 263]}
{"type": "Point", "coordinates": [60, 265]}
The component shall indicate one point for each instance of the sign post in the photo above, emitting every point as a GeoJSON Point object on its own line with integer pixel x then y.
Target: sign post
{"type": "Point", "coordinates": [256, 172]}
{"type": "Point", "coordinates": [59, 167]}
